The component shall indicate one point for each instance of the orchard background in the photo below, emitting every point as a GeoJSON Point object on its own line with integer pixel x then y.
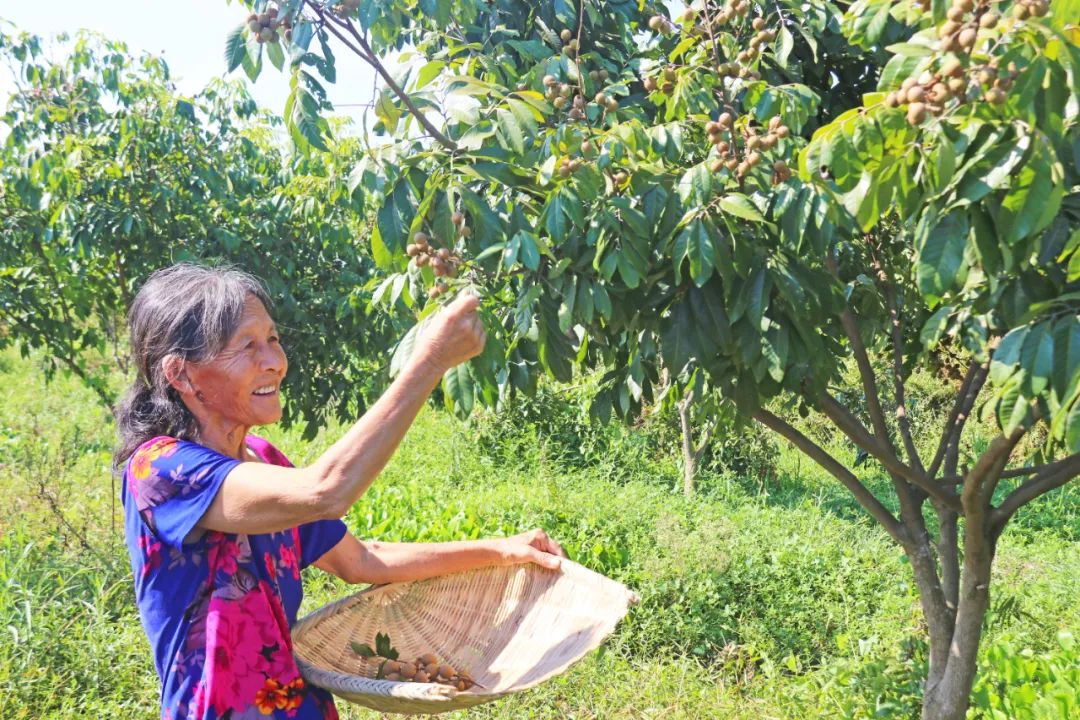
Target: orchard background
{"type": "Point", "coordinates": [782, 302]}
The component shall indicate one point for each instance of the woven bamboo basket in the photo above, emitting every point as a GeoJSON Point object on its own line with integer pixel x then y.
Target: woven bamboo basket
{"type": "Point", "coordinates": [511, 627]}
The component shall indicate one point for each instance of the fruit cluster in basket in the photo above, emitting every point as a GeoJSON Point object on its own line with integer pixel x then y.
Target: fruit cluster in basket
{"type": "Point", "coordinates": [426, 668]}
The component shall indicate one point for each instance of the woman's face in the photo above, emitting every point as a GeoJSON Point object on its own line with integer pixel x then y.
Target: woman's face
{"type": "Point", "coordinates": [241, 385]}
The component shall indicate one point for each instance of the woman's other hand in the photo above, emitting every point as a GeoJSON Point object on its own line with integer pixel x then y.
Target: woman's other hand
{"type": "Point", "coordinates": [533, 546]}
{"type": "Point", "coordinates": [453, 335]}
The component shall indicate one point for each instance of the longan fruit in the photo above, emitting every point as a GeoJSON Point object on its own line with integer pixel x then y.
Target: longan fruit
{"type": "Point", "coordinates": [916, 113]}
{"type": "Point", "coordinates": [458, 219]}
{"type": "Point", "coordinates": [421, 239]}
{"type": "Point", "coordinates": [758, 23]}
{"type": "Point", "coordinates": [782, 132]}
{"type": "Point", "coordinates": [915, 94]}
{"type": "Point", "coordinates": [989, 20]}
{"type": "Point", "coordinates": [950, 27]}
{"type": "Point", "coordinates": [408, 670]}
{"type": "Point", "coordinates": [650, 84]}
{"type": "Point", "coordinates": [565, 35]}
{"type": "Point", "coordinates": [421, 676]}
{"type": "Point", "coordinates": [967, 38]}
{"type": "Point", "coordinates": [716, 166]}
{"type": "Point", "coordinates": [995, 96]}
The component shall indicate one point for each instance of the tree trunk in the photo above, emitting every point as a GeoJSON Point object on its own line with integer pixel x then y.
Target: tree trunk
{"type": "Point", "coordinates": [689, 457]}
{"type": "Point", "coordinates": [948, 692]}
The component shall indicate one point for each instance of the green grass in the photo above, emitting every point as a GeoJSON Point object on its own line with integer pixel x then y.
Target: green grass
{"type": "Point", "coordinates": [761, 598]}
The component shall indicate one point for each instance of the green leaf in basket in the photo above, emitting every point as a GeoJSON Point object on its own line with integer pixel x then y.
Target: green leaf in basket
{"type": "Point", "coordinates": [362, 649]}
{"type": "Point", "coordinates": [381, 672]}
{"type": "Point", "coordinates": [384, 648]}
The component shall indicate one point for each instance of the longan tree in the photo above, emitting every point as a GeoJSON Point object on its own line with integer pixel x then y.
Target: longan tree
{"type": "Point", "coordinates": [747, 198]}
{"type": "Point", "coordinates": [107, 174]}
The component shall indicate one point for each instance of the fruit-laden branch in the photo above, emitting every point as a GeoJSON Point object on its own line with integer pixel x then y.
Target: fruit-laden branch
{"type": "Point", "coordinates": [365, 52]}
{"type": "Point", "coordinates": [862, 438]}
{"type": "Point", "coordinates": [837, 470]}
{"type": "Point", "coordinates": [1050, 477]}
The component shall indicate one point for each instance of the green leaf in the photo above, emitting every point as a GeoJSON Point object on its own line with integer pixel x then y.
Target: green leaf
{"type": "Point", "coordinates": [235, 49]}
{"type": "Point", "coordinates": [1034, 195]}
{"type": "Point", "coordinates": [1007, 355]}
{"type": "Point", "coordinates": [511, 136]}
{"type": "Point", "coordinates": [276, 55]}
{"type": "Point", "coordinates": [458, 392]}
{"type": "Point", "coordinates": [362, 649]}
{"type": "Point", "coordinates": [941, 254]}
{"type": "Point", "coordinates": [677, 337]}
{"type": "Point", "coordinates": [700, 251]}
{"type": "Point", "coordinates": [739, 205]}
{"type": "Point", "coordinates": [695, 186]}
{"type": "Point", "coordinates": [1037, 359]}
{"type": "Point", "coordinates": [386, 110]}
{"type": "Point", "coordinates": [1066, 361]}
{"type": "Point", "coordinates": [934, 328]}
{"type": "Point", "coordinates": [1072, 428]}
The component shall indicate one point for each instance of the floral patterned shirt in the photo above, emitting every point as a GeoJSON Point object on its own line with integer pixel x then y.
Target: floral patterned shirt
{"type": "Point", "coordinates": [217, 610]}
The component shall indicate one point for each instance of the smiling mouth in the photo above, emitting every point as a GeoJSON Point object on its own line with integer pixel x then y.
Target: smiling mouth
{"type": "Point", "coordinates": [266, 390]}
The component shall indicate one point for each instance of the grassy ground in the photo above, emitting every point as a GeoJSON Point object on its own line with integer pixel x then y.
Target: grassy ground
{"type": "Point", "coordinates": [764, 597]}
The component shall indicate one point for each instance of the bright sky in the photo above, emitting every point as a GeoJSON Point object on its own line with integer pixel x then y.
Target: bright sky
{"type": "Point", "coordinates": [189, 35]}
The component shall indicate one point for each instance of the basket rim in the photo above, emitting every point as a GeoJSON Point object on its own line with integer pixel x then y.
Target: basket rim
{"type": "Point", "coordinates": [334, 679]}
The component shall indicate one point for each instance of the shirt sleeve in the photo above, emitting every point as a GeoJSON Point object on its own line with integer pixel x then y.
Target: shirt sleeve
{"type": "Point", "coordinates": [318, 538]}
{"type": "Point", "coordinates": [173, 484]}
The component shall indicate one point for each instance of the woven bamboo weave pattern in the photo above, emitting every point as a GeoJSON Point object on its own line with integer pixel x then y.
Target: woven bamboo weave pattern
{"type": "Point", "coordinates": [510, 627]}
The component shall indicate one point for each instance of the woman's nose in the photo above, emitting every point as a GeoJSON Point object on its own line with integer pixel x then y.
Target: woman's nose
{"type": "Point", "coordinates": [273, 358]}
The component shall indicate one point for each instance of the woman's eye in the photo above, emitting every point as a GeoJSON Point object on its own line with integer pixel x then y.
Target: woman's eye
{"type": "Point", "coordinates": [275, 339]}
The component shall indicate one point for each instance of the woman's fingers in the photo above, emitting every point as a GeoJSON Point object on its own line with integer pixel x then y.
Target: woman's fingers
{"type": "Point", "coordinates": [546, 560]}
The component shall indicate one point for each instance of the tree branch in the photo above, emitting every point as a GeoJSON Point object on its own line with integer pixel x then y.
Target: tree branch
{"type": "Point", "coordinates": [850, 426]}
{"type": "Point", "coordinates": [1050, 477]}
{"type": "Point", "coordinates": [837, 470]}
{"type": "Point", "coordinates": [902, 418]}
{"type": "Point", "coordinates": [986, 472]}
{"type": "Point", "coordinates": [1014, 472]}
{"type": "Point", "coordinates": [365, 52]}
{"type": "Point", "coordinates": [965, 399]}
{"type": "Point", "coordinates": [706, 436]}
{"type": "Point", "coordinates": [866, 370]}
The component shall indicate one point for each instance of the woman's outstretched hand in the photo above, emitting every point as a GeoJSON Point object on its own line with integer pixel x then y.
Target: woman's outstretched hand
{"type": "Point", "coordinates": [533, 546]}
{"type": "Point", "coordinates": [453, 335]}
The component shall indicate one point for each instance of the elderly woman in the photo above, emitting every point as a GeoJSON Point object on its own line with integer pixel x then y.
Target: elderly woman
{"type": "Point", "coordinates": [219, 523]}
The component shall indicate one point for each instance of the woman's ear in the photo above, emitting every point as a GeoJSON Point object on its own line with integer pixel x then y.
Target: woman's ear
{"type": "Point", "coordinates": [176, 374]}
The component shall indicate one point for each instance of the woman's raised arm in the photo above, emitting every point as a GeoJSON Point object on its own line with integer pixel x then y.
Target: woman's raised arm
{"type": "Point", "coordinates": [259, 498]}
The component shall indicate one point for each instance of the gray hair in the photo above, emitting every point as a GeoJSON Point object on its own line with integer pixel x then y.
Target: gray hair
{"type": "Point", "coordinates": [186, 310]}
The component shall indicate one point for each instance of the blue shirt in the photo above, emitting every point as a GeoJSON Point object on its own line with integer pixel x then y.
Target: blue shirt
{"type": "Point", "coordinates": [217, 610]}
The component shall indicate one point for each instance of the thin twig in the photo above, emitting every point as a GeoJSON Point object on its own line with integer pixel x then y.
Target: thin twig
{"type": "Point", "coordinates": [367, 54]}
